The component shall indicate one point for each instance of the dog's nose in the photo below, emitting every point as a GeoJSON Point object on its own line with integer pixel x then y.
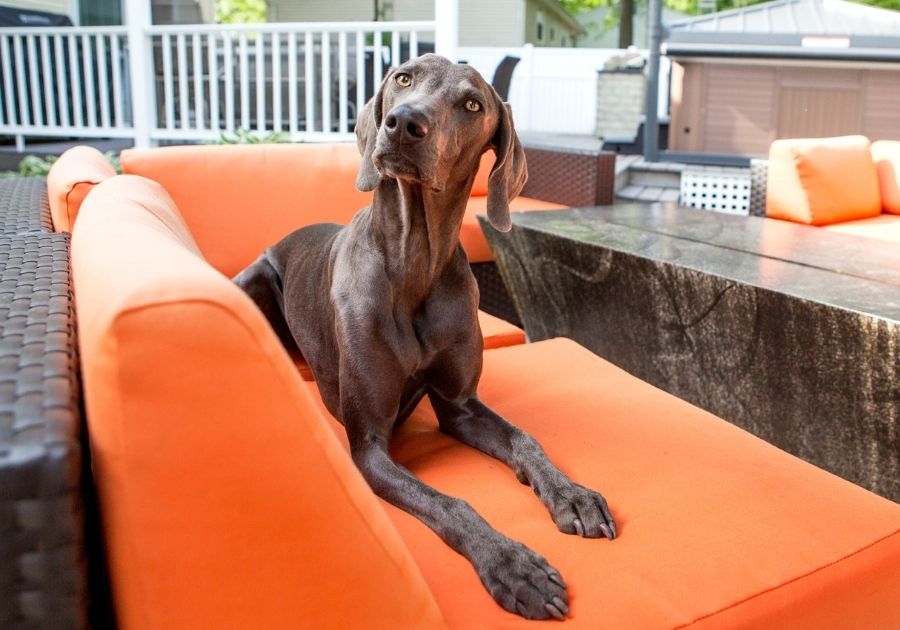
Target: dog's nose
{"type": "Point", "coordinates": [407, 124]}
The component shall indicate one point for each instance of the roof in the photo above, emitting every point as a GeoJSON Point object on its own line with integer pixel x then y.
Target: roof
{"type": "Point", "coordinates": [798, 17]}
{"type": "Point", "coordinates": [797, 29]}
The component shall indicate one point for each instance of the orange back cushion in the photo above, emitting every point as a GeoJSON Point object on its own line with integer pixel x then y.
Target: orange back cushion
{"type": "Point", "coordinates": [822, 180]}
{"type": "Point", "coordinates": [886, 154]}
{"type": "Point", "coordinates": [70, 179]}
{"type": "Point", "coordinates": [204, 441]}
{"type": "Point", "coordinates": [238, 200]}
{"type": "Point", "coordinates": [480, 185]}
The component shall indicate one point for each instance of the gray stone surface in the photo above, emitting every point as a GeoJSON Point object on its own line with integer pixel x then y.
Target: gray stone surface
{"type": "Point", "coordinates": [792, 333]}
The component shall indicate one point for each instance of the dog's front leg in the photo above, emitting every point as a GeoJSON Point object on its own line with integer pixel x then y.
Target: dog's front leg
{"type": "Point", "coordinates": [575, 509]}
{"type": "Point", "coordinates": [517, 578]}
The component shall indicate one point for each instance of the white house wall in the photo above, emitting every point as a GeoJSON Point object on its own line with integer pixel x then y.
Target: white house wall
{"type": "Point", "coordinates": [51, 6]}
{"type": "Point", "coordinates": [314, 11]}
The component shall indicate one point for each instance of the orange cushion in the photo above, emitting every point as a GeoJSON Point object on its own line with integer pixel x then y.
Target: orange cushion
{"type": "Point", "coordinates": [480, 185]}
{"type": "Point", "coordinates": [204, 441]}
{"type": "Point", "coordinates": [884, 227]}
{"type": "Point", "coordinates": [470, 234]}
{"type": "Point", "coordinates": [69, 181]}
{"type": "Point", "coordinates": [717, 527]}
{"type": "Point", "coordinates": [239, 199]}
{"type": "Point", "coordinates": [886, 154]}
{"type": "Point", "coordinates": [822, 180]}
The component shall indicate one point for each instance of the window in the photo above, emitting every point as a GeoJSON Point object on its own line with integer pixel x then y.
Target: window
{"type": "Point", "coordinates": [540, 25]}
{"type": "Point", "coordinates": [562, 41]}
{"type": "Point", "coordinates": [552, 34]}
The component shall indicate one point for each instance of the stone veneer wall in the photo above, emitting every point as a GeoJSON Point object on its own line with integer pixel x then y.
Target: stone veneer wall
{"type": "Point", "coordinates": [620, 102]}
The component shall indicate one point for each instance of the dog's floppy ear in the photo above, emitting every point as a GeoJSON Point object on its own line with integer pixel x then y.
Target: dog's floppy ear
{"type": "Point", "coordinates": [367, 125]}
{"type": "Point", "coordinates": [509, 173]}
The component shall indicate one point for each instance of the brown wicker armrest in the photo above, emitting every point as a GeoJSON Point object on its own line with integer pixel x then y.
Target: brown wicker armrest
{"type": "Point", "coordinates": [571, 177]}
{"type": "Point", "coordinates": [24, 206]}
{"type": "Point", "coordinates": [43, 575]}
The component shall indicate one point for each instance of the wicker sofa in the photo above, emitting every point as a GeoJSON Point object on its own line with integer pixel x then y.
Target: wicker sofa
{"type": "Point", "coordinates": [229, 499]}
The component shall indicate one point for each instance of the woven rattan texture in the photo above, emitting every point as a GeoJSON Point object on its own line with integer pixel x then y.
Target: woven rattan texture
{"type": "Point", "coordinates": [759, 174]}
{"type": "Point", "coordinates": [43, 581]}
{"type": "Point", "coordinates": [572, 178]}
{"type": "Point", "coordinates": [23, 205]}
{"type": "Point", "coordinates": [494, 297]}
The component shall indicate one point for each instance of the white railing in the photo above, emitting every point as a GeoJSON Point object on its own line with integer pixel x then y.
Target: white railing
{"type": "Point", "coordinates": [64, 81]}
{"type": "Point", "coordinates": [306, 80]}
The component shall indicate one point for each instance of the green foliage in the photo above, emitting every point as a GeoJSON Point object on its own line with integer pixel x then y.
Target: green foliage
{"type": "Point", "coordinates": [884, 4]}
{"type": "Point", "coordinates": [244, 136]}
{"type": "Point", "coordinates": [34, 166]}
{"type": "Point", "coordinates": [240, 11]}
{"type": "Point", "coordinates": [575, 7]}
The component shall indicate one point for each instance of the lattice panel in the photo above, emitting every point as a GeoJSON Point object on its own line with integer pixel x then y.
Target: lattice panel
{"type": "Point", "coordinates": [720, 190]}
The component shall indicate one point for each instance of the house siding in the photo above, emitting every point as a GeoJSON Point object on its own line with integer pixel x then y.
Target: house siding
{"type": "Point", "coordinates": [495, 23]}
{"type": "Point", "coordinates": [552, 25]}
{"type": "Point", "coordinates": [50, 6]}
{"type": "Point", "coordinates": [331, 11]}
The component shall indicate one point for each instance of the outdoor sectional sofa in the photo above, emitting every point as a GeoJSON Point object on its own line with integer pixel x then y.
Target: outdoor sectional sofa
{"type": "Point", "coordinates": [228, 497]}
{"type": "Point", "coordinates": [844, 184]}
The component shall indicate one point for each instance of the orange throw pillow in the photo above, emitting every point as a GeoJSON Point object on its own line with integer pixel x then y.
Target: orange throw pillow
{"type": "Point", "coordinates": [70, 179]}
{"type": "Point", "coordinates": [819, 181]}
{"type": "Point", "coordinates": [886, 155]}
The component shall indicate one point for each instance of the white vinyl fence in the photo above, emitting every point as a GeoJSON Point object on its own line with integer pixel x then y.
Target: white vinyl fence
{"type": "Point", "coordinates": [554, 90]}
{"type": "Point", "coordinates": [307, 80]}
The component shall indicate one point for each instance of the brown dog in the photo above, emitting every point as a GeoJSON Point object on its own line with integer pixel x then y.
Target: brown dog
{"type": "Point", "coordinates": [385, 312]}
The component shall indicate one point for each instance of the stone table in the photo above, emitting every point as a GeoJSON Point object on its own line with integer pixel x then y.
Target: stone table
{"type": "Point", "coordinates": [791, 332]}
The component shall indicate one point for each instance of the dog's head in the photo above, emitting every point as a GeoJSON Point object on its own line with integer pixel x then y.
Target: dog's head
{"type": "Point", "coordinates": [429, 122]}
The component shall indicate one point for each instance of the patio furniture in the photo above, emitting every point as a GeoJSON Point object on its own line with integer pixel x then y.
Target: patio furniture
{"type": "Point", "coordinates": [229, 497]}
{"type": "Point", "coordinates": [503, 76]}
{"type": "Point", "coordinates": [557, 178]}
{"type": "Point", "coordinates": [43, 574]}
{"type": "Point", "coordinates": [840, 184]}
{"type": "Point", "coordinates": [788, 331]}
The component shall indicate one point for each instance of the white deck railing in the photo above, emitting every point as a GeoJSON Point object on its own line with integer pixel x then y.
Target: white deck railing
{"type": "Point", "coordinates": [64, 81]}
{"type": "Point", "coordinates": [307, 80]}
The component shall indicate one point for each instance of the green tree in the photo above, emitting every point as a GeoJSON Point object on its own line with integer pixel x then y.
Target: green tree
{"type": "Point", "coordinates": [620, 8]}
{"type": "Point", "coordinates": [240, 11]}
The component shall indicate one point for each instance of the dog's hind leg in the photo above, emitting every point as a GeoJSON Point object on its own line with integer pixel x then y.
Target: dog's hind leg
{"type": "Point", "coordinates": [263, 284]}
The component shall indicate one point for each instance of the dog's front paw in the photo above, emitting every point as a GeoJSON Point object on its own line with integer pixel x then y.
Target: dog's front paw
{"type": "Point", "coordinates": [523, 582]}
{"type": "Point", "coordinates": [579, 510]}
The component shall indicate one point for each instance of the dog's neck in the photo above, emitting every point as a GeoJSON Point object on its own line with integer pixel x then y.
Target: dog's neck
{"type": "Point", "coordinates": [419, 246]}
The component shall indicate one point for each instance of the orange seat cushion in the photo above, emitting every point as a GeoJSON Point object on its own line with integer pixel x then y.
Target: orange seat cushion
{"type": "Point", "coordinates": [470, 234]}
{"type": "Point", "coordinates": [886, 154]}
{"type": "Point", "coordinates": [822, 181]}
{"type": "Point", "coordinates": [238, 200]}
{"type": "Point", "coordinates": [717, 528]}
{"type": "Point", "coordinates": [70, 179]}
{"type": "Point", "coordinates": [226, 500]}
{"type": "Point", "coordinates": [884, 227]}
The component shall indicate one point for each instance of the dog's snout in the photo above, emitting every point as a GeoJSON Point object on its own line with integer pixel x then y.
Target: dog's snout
{"type": "Point", "coordinates": [406, 124]}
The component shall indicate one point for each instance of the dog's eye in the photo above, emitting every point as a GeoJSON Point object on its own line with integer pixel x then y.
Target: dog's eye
{"type": "Point", "coordinates": [403, 80]}
{"type": "Point", "coordinates": [473, 106]}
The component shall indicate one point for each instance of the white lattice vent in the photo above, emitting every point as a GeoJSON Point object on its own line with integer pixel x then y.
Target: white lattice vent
{"type": "Point", "coordinates": [716, 189]}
